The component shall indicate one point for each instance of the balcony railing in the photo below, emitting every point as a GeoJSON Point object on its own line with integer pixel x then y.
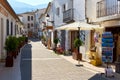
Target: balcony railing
{"type": "Point", "coordinates": [107, 11]}
{"type": "Point", "coordinates": [68, 16]}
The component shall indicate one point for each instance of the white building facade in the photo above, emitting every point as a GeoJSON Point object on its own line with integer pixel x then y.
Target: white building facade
{"type": "Point", "coordinates": [28, 23]}
{"type": "Point", "coordinates": [69, 12]}
{"type": "Point", "coordinates": [37, 15]}
{"type": "Point", "coordinates": [8, 23]}
{"type": "Point", "coordinates": [107, 14]}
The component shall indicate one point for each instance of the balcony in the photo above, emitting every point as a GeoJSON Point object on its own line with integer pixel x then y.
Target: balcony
{"type": "Point", "coordinates": [68, 16]}
{"type": "Point", "coordinates": [110, 12]}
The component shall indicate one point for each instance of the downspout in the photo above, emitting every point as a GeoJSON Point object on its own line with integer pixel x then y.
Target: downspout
{"type": "Point", "coordinates": [72, 10]}
{"type": "Point", "coordinates": [86, 18]}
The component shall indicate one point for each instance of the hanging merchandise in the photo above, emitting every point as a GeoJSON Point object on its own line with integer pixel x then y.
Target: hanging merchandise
{"type": "Point", "coordinates": [96, 36]}
{"type": "Point", "coordinates": [107, 52]}
{"type": "Point", "coordinates": [107, 47]}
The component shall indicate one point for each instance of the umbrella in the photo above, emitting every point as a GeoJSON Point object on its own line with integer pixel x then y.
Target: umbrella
{"type": "Point", "coordinates": [82, 25]}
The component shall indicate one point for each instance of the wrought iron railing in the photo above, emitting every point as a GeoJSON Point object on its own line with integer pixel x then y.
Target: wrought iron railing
{"type": "Point", "coordinates": [107, 11]}
{"type": "Point", "coordinates": [68, 15]}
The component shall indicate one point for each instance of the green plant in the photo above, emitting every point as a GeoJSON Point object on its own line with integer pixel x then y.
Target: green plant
{"type": "Point", "coordinates": [56, 40]}
{"type": "Point", "coordinates": [77, 43]}
{"type": "Point", "coordinates": [21, 39]}
{"type": "Point", "coordinates": [77, 55]}
{"type": "Point", "coordinates": [11, 43]}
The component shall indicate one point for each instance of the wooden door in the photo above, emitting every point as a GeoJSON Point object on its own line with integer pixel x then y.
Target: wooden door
{"type": "Point", "coordinates": [74, 35]}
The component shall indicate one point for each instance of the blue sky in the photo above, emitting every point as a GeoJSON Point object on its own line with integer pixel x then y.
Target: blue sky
{"type": "Point", "coordinates": [33, 2]}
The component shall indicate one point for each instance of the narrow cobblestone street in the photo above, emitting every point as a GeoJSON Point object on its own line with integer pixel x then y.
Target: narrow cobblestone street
{"type": "Point", "coordinates": [39, 63]}
{"type": "Point", "coordinates": [60, 40]}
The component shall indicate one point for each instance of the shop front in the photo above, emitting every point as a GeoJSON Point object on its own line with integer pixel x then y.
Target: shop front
{"type": "Point", "coordinates": [72, 32]}
{"type": "Point", "coordinates": [116, 38]}
{"type": "Point", "coordinates": [113, 26]}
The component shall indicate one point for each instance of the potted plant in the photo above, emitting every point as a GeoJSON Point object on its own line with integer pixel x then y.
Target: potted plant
{"type": "Point", "coordinates": [19, 43]}
{"type": "Point", "coordinates": [15, 44]}
{"type": "Point", "coordinates": [10, 46]}
{"type": "Point", "coordinates": [56, 40]}
{"type": "Point", "coordinates": [76, 54]}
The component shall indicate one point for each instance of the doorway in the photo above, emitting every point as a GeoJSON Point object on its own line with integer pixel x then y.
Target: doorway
{"type": "Point", "coordinates": [115, 31]}
{"type": "Point", "coordinates": [74, 35]}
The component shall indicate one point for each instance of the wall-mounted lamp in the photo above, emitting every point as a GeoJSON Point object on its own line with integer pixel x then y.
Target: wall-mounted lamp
{"type": "Point", "coordinates": [47, 16]}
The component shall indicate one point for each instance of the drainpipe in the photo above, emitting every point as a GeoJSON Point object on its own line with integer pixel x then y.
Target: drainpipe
{"type": "Point", "coordinates": [86, 11]}
{"type": "Point", "coordinates": [72, 10]}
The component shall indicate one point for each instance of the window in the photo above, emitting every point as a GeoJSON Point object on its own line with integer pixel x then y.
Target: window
{"type": "Point", "coordinates": [31, 24]}
{"type": "Point", "coordinates": [7, 25]}
{"type": "Point", "coordinates": [15, 29]}
{"type": "Point", "coordinates": [101, 9]}
{"type": "Point", "coordinates": [32, 18]}
{"type": "Point", "coordinates": [28, 18]}
{"type": "Point", "coordinates": [63, 7]}
{"type": "Point", "coordinates": [11, 28]}
{"type": "Point", "coordinates": [28, 25]}
{"type": "Point", "coordinates": [58, 11]}
{"type": "Point", "coordinates": [107, 7]}
{"type": "Point", "coordinates": [20, 30]}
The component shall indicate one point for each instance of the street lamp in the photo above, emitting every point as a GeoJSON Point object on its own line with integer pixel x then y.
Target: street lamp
{"type": "Point", "coordinates": [79, 54]}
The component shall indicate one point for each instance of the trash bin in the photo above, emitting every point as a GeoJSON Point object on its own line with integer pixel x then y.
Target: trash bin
{"type": "Point", "coordinates": [117, 65]}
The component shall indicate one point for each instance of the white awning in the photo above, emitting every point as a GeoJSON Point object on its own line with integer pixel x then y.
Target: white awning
{"type": "Point", "coordinates": [82, 25]}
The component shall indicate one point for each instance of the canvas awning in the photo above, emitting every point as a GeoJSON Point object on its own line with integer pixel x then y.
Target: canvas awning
{"type": "Point", "coordinates": [75, 25]}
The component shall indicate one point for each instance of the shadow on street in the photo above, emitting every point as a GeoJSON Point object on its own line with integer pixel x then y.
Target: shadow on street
{"type": "Point", "coordinates": [26, 63]}
{"type": "Point", "coordinates": [97, 77]}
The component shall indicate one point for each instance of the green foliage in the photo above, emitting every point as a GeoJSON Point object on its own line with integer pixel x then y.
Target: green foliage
{"type": "Point", "coordinates": [43, 38]}
{"type": "Point", "coordinates": [56, 40]}
{"type": "Point", "coordinates": [11, 43]}
{"type": "Point", "coordinates": [21, 39]}
{"type": "Point", "coordinates": [77, 43]}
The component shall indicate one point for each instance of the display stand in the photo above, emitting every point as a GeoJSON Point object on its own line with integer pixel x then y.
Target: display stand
{"type": "Point", "coordinates": [107, 51]}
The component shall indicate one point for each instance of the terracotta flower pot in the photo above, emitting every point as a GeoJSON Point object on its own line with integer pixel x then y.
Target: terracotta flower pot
{"type": "Point", "coordinates": [76, 55]}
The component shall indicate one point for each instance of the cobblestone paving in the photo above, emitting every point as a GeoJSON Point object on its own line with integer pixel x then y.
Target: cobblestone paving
{"type": "Point", "coordinates": [39, 63]}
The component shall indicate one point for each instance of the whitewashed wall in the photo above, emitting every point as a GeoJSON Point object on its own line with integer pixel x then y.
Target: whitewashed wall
{"type": "Point", "coordinates": [79, 10]}
{"type": "Point", "coordinates": [91, 9]}
{"type": "Point", "coordinates": [58, 4]}
{"type": "Point", "coordinates": [3, 30]}
{"type": "Point", "coordinates": [25, 21]}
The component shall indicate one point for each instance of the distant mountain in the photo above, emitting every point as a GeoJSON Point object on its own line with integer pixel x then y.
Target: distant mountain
{"type": "Point", "coordinates": [20, 7]}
